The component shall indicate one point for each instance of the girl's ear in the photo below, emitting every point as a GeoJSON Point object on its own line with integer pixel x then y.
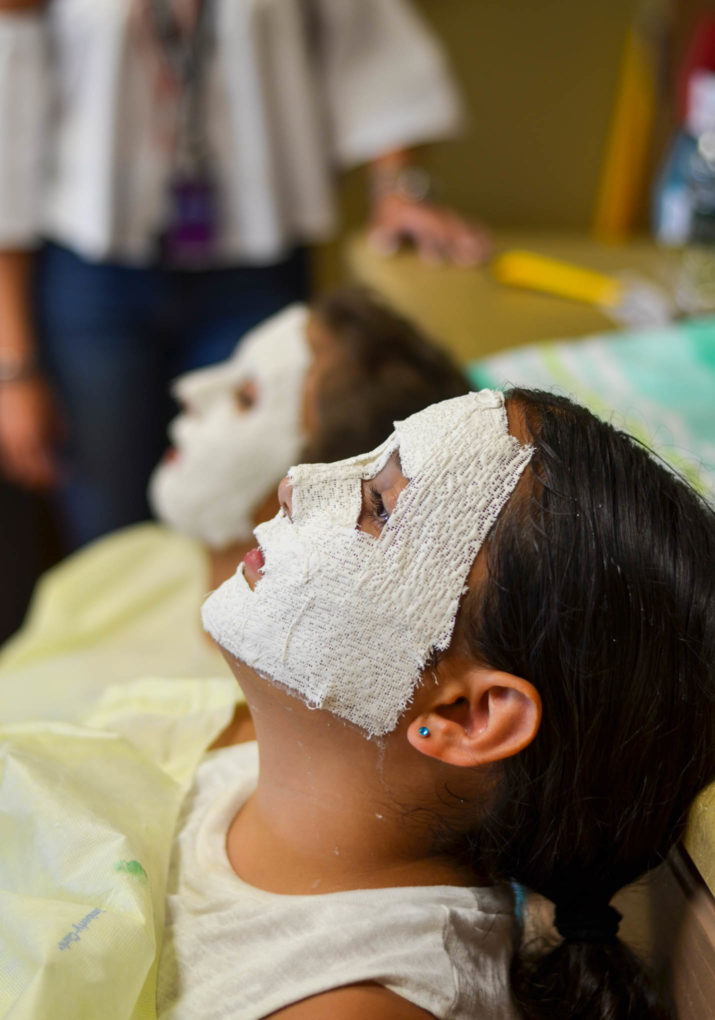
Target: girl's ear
{"type": "Point", "coordinates": [477, 715]}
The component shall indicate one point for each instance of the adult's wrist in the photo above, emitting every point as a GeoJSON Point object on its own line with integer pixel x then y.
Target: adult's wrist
{"type": "Point", "coordinates": [17, 367]}
{"type": "Point", "coordinates": [410, 182]}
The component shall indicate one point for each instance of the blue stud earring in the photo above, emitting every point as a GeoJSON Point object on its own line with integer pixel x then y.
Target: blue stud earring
{"type": "Point", "coordinates": [423, 731]}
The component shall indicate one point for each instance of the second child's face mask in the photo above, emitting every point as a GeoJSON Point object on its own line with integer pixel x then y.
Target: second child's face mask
{"type": "Point", "coordinates": [228, 457]}
{"type": "Point", "coordinates": [346, 620]}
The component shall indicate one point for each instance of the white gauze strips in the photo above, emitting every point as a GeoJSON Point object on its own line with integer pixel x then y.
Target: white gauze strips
{"type": "Point", "coordinates": [229, 461]}
{"type": "Point", "coordinates": [347, 621]}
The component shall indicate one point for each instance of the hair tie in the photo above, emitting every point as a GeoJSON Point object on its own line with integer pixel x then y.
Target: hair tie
{"type": "Point", "coordinates": [587, 922]}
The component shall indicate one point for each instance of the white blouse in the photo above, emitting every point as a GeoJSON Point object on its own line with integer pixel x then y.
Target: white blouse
{"type": "Point", "coordinates": [288, 97]}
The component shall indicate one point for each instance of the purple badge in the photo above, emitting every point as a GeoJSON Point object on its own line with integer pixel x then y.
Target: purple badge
{"type": "Point", "coordinates": [190, 237]}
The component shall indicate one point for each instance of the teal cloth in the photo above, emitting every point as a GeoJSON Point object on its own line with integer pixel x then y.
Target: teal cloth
{"type": "Point", "coordinates": [657, 384]}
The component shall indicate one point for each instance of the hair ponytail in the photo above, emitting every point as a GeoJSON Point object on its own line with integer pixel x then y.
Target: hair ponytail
{"type": "Point", "coordinates": [600, 593]}
{"type": "Point", "coordinates": [585, 981]}
{"type": "Point", "coordinates": [591, 970]}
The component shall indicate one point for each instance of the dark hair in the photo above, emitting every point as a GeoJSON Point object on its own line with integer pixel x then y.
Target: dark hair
{"type": "Point", "coordinates": [385, 370]}
{"type": "Point", "coordinates": [600, 593]}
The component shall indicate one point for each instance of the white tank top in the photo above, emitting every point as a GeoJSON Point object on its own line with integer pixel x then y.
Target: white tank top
{"type": "Point", "coordinates": [232, 950]}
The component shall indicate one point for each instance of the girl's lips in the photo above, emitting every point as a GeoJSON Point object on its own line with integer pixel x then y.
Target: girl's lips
{"type": "Point", "coordinates": [171, 454]}
{"type": "Point", "coordinates": [253, 566]}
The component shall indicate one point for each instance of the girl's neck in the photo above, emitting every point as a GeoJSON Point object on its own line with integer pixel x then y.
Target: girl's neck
{"type": "Point", "coordinates": [333, 811]}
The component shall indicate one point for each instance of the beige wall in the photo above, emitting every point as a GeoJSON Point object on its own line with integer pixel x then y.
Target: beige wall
{"type": "Point", "coordinates": [539, 79]}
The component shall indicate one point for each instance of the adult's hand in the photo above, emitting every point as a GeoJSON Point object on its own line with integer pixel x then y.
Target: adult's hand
{"type": "Point", "coordinates": [28, 431]}
{"type": "Point", "coordinates": [439, 234]}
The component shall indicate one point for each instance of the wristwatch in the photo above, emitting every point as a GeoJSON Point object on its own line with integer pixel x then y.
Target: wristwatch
{"type": "Point", "coordinates": [410, 182]}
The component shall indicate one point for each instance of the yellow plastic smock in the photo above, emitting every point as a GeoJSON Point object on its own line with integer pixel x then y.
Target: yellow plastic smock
{"type": "Point", "coordinates": [125, 607]}
{"type": "Point", "coordinates": [86, 824]}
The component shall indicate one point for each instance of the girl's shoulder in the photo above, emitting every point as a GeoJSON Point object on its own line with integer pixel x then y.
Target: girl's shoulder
{"type": "Point", "coordinates": [354, 1002]}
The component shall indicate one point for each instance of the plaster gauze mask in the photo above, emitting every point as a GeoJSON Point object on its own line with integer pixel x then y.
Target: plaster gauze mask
{"type": "Point", "coordinates": [346, 620]}
{"type": "Point", "coordinates": [227, 458]}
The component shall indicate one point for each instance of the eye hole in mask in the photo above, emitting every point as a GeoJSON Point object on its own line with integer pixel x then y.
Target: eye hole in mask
{"type": "Point", "coordinates": [246, 396]}
{"type": "Point", "coordinates": [338, 493]}
{"type": "Point", "coordinates": [380, 495]}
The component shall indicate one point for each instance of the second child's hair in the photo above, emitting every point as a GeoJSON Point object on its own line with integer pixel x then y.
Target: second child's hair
{"type": "Point", "coordinates": [600, 593]}
{"type": "Point", "coordinates": [387, 370]}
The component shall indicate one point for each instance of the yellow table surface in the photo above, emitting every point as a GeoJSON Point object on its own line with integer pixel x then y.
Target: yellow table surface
{"type": "Point", "coordinates": [473, 315]}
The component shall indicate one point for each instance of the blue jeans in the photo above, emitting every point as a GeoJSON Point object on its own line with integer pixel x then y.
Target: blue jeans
{"type": "Point", "coordinates": [111, 338]}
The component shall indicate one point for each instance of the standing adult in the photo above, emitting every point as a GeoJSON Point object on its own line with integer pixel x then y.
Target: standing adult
{"type": "Point", "coordinates": [163, 164]}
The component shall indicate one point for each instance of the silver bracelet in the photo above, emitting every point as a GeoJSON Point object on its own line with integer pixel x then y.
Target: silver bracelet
{"type": "Point", "coordinates": [410, 182]}
{"type": "Point", "coordinates": [17, 368]}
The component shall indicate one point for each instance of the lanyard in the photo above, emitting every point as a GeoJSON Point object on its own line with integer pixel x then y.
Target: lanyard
{"type": "Point", "coordinates": [184, 52]}
{"type": "Point", "coordinates": [181, 47]}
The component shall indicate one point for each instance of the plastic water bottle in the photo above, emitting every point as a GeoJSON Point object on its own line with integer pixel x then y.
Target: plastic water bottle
{"type": "Point", "coordinates": [684, 198]}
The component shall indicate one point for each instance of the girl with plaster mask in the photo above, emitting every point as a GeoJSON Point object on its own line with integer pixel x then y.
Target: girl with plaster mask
{"type": "Point", "coordinates": [241, 424]}
{"type": "Point", "coordinates": [483, 651]}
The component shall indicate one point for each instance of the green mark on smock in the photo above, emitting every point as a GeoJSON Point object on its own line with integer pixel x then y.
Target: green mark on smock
{"type": "Point", "coordinates": [132, 868]}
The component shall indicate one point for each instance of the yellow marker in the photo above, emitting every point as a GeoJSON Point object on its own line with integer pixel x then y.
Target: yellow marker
{"type": "Point", "coordinates": [521, 268]}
